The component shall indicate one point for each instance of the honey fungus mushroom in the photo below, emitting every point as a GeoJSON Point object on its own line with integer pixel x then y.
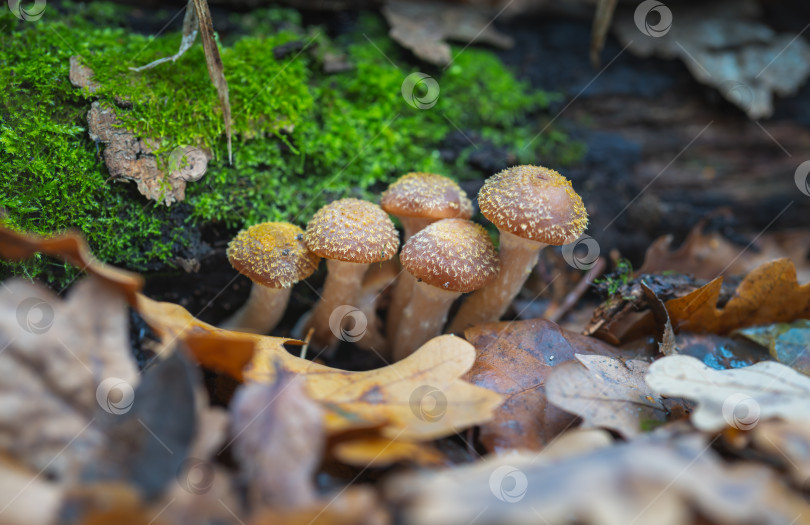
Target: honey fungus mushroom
{"type": "Point", "coordinates": [417, 200]}
{"type": "Point", "coordinates": [447, 258]}
{"type": "Point", "coordinates": [272, 255]}
{"type": "Point", "coordinates": [532, 207]}
{"type": "Point", "coordinates": [350, 234]}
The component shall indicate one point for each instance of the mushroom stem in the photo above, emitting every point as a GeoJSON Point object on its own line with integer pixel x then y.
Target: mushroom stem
{"type": "Point", "coordinates": [423, 318]}
{"type": "Point", "coordinates": [343, 283]}
{"type": "Point", "coordinates": [262, 311]}
{"type": "Point", "coordinates": [518, 258]}
{"type": "Point", "coordinates": [412, 225]}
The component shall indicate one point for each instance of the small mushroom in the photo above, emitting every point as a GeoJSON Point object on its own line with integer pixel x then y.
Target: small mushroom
{"type": "Point", "coordinates": [532, 207]}
{"type": "Point", "coordinates": [447, 258]}
{"type": "Point", "coordinates": [417, 200]}
{"type": "Point", "coordinates": [350, 234]}
{"type": "Point", "coordinates": [272, 255]}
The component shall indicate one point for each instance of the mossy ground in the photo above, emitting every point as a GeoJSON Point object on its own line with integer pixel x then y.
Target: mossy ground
{"type": "Point", "coordinates": [301, 137]}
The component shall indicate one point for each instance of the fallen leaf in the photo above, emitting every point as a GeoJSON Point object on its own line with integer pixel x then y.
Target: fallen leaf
{"type": "Point", "coordinates": [62, 362]}
{"type": "Point", "coordinates": [375, 451]}
{"type": "Point", "coordinates": [71, 248]}
{"type": "Point", "coordinates": [706, 255]}
{"type": "Point", "coordinates": [278, 441]}
{"type": "Point", "coordinates": [354, 506]}
{"type": "Point", "coordinates": [515, 359]}
{"type": "Point", "coordinates": [723, 44]}
{"type": "Point", "coordinates": [607, 392]}
{"type": "Point", "coordinates": [787, 443]}
{"type": "Point", "coordinates": [419, 398]}
{"type": "Point", "coordinates": [423, 28]}
{"type": "Point", "coordinates": [649, 481]}
{"type": "Point", "coordinates": [788, 343]}
{"type": "Point", "coordinates": [737, 398]}
{"type": "Point", "coordinates": [768, 294]}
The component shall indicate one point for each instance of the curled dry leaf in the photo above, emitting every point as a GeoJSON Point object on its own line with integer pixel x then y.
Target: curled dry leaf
{"type": "Point", "coordinates": [419, 398]}
{"type": "Point", "coordinates": [515, 359]}
{"type": "Point", "coordinates": [71, 248]}
{"type": "Point", "coordinates": [738, 398]}
{"type": "Point", "coordinates": [607, 392]}
{"type": "Point", "coordinates": [278, 441]}
{"type": "Point", "coordinates": [769, 294]}
{"type": "Point", "coordinates": [649, 481]}
{"type": "Point", "coordinates": [62, 362]}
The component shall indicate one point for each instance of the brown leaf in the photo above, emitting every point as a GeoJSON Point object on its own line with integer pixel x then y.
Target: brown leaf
{"type": "Point", "coordinates": [62, 362]}
{"type": "Point", "coordinates": [376, 451]}
{"type": "Point", "coordinates": [354, 506]}
{"type": "Point", "coordinates": [71, 248]}
{"type": "Point", "coordinates": [709, 255]}
{"type": "Point", "coordinates": [649, 481]}
{"type": "Point", "coordinates": [418, 398]}
{"type": "Point", "coordinates": [278, 441]}
{"type": "Point", "coordinates": [769, 294]}
{"type": "Point", "coordinates": [515, 359]}
{"type": "Point", "coordinates": [607, 392]}
{"type": "Point", "coordinates": [423, 28]}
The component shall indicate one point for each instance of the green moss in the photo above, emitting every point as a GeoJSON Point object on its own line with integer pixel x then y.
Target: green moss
{"type": "Point", "coordinates": [301, 137]}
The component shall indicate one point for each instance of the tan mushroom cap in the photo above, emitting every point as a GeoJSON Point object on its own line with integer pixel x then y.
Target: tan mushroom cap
{"type": "Point", "coordinates": [352, 230]}
{"type": "Point", "coordinates": [426, 195]}
{"type": "Point", "coordinates": [534, 203]}
{"type": "Point", "coordinates": [451, 254]}
{"type": "Point", "coordinates": [272, 254]}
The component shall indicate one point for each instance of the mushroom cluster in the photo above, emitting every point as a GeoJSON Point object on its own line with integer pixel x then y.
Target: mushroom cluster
{"type": "Point", "coordinates": [444, 255]}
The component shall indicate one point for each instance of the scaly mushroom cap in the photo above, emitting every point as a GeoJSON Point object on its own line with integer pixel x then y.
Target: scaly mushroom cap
{"type": "Point", "coordinates": [352, 230]}
{"type": "Point", "coordinates": [534, 203]}
{"type": "Point", "coordinates": [272, 254]}
{"type": "Point", "coordinates": [426, 195]}
{"type": "Point", "coordinates": [451, 254]}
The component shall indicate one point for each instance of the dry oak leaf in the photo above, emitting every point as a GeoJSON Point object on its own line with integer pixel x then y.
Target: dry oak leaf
{"type": "Point", "coordinates": [62, 362]}
{"type": "Point", "coordinates": [515, 359]}
{"type": "Point", "coordinates": [375, 451]}
{"type": "Point", "coordinates": [607, 392]}
{"type": "Point", "coordinates": [72, 248]}
{"type": "Point", "coordinates": [739, 398]}
{"type": "Point", "coordinates": [768, 294]}
{"type": "Point", "coordinates": [419, 398]}
{"type": "Point", "coordinates": [648, 481]}
{"type": "Point", "coordinates": [706, 255]}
